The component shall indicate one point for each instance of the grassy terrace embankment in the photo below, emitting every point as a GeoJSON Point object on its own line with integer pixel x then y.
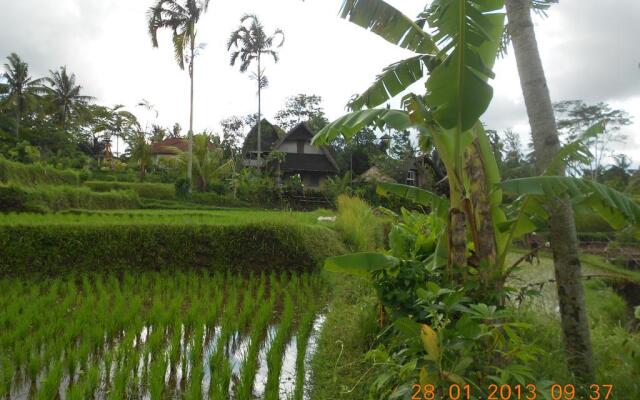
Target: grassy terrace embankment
{"type": "Point", "coordinates": [240, 241]}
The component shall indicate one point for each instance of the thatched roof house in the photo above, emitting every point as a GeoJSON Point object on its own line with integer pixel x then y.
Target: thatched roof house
{"type": "Point", "coordinates": [313, 163]}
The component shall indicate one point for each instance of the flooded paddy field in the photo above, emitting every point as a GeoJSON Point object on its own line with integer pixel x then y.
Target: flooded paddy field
{"type": "Point", "coordinates": [158, 335]}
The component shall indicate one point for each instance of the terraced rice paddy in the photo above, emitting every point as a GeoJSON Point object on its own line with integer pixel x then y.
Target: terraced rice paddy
{"type": "Point", "coordinates": [162, 217]}
{"type": "Point", "coordinates": [156, 335]}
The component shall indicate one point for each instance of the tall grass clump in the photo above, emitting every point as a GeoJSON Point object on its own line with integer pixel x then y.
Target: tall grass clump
{"type": "Point", "coordinates": [35, 174]}
{"type": "Point", "coordinates": [360, 228]}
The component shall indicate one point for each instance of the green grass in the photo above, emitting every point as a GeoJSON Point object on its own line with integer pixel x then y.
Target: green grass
{"type": "Point", "coordinates": [241, 240]}
{"type": "Point", "coordinates": [616, 345]}
{"type": "Point", "coordinates": [43, 198]}
{"type": "Point", "coordinates": [163, 217]}
{"type": "Point", "coordinates": [162, 191]}
{"type": "Point", "coordinates": [339, 370]}
{"type": "Point", "coordinates": [35, 174]}
{"type": "Point", "coordinates": [118, 335]}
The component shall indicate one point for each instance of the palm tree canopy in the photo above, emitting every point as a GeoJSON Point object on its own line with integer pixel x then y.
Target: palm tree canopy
{"type": "Point", "coordinates": [181, 17]}
{"type": "Point", "coordinates": [18, 85]}
{"type": "Point", "coordinates": [251, 41]}
{"type": "Point", "coordinates": [64, 93]}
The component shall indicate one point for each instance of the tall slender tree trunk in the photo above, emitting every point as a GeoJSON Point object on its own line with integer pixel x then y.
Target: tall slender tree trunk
{"type": "Point", "coordinates": [259, 115]}
{"type": "Point", "coordinates": [575, 326]}
{"type": "Point", "coordinates": [18, 118]}
{"type": "Point", "coordinates": [190, 134]}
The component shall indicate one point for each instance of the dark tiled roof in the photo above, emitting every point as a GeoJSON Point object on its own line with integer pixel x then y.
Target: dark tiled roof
{"type": "Point", "coordinates": [307, 162]}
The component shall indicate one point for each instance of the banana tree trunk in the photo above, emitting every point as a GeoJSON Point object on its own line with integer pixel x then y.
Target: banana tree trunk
{"type": "Point", "coordinates": [575, 326]}
{"type": "Point", "coordinates": [481, 220]}
{"type": "Point", "coordinates": [457, 228]}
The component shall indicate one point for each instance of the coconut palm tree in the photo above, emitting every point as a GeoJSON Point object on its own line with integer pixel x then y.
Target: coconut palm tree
{"type": "Point", "coordinates": [251, 43]}
{"type": "Point", "coordinates": [181, 17]}
{"type": "Point", "coordinates": [20, 88]}
{"type": "Point", "coordinates": [64, 95]}
{"type": "Point", "coordinates": [575, 325]}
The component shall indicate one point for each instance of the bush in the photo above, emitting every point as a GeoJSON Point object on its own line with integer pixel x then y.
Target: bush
{"type": "Point", "coordinates": [160, 191]}
{"type": "Point", "coordinates": [214, 199]}
{"type": "Point", "coordinates": [360, 228]}
{"type": "Point", "coordinates": [56, 198]}
{"type": "Point", "coordinates": [183, 187]}
{"type": "Point", "coordinates": [35, 174]}
{"type": "Point", "coordinates": [240, 248]}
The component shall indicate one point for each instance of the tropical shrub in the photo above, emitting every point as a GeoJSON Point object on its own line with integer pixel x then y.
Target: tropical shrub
{"type": "Point", "coordinates": [35, 174]}
{"type": "Point", "coordinates": [438, 331]}
{"type": "Point", "coordinates": [161, 191]}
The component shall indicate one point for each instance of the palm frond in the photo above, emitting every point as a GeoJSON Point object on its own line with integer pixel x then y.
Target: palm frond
{"type": "Point", "coordinates": [178, 49]}
{"type": "Point", "coordinates": [349, 125]}
{"type": "Point", "coordinates": [278, 33]}
{"type": "Point", "coordinates": [419, 196]}
{"type": "Point", "coordinates": [393, 80]}
{"type": "Point", "coordinates": [387, 22]}
{"type": "Point", "coordinates": [575, 151]}
{"type": "Point", "coordinates": [615, 207]}
{"type": "Point", "coordinates": [468, 32]}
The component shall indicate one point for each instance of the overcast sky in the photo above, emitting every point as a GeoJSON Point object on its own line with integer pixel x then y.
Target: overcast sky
{"type": "Point", "coordinates": [589, 48]}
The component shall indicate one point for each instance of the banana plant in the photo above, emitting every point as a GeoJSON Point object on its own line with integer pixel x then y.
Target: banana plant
{"type": "Point", "coordinates": [456, 54]}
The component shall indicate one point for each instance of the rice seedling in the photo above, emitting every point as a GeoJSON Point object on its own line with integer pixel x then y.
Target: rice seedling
{"type": "Point", "coordinates": [274, 356]}
{"type": "Point", "coordinates": [50, 385]}
{"type": "Point", "coordinates": [157, 378]}
{"type": "Point", "coordinates": [6, 376]}
{"type": "Point", "coordinates": [125, 335]}
{"type": "Point", "coordinates": [302, 341]}
{"type": "Point", "coordinates": [249, 366]}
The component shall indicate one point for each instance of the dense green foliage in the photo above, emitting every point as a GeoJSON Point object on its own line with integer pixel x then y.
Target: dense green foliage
{"type": "Point", "coordinates": [161, 191]}
{"type": "Point", "coordinates": [148, 241]}
{"type": "Point", "coordinates": [154, 332]}
{"type": "Point", "coordinates": [35, 174]}
{"type": "Point", "coordinates": [14, 198]}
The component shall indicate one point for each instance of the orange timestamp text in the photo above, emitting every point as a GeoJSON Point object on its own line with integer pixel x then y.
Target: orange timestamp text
{"type": "Point", "coordinates": [511, 392]}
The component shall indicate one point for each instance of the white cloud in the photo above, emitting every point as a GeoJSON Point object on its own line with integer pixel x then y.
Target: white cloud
{"type": "Point", "coordinates": [588, 49]}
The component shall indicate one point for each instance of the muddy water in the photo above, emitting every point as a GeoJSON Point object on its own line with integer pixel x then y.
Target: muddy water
{"type": "Point", "coordinates": [177, 380]}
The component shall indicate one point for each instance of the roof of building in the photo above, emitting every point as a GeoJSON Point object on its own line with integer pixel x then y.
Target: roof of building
{"type": "Point", "coordinates": [307, 162]}
{"type": "Point", "coordinates": [302, 131]}
{"type": "Point", "coordinates": [374, 174]}
{"type": "Point", "coordinates": [173, 146]}
{"type": "Point", "coordinates": [269, 135]}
